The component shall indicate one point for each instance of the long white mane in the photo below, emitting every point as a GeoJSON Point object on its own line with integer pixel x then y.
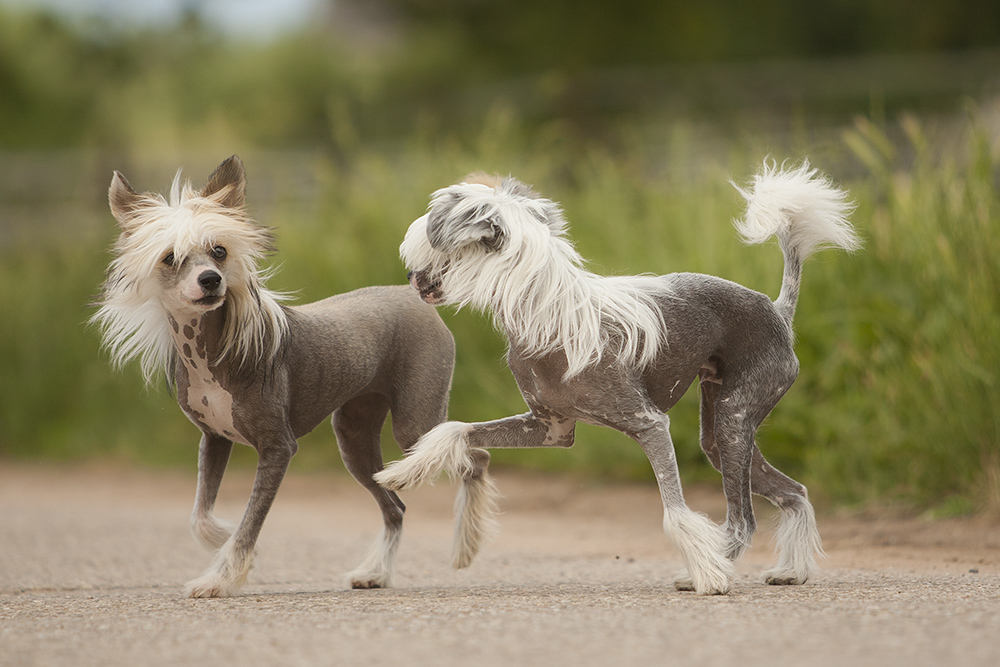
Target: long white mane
{"type": "Point", "coordinates": [505, 249]}
{"type": "Point", "coordinates": [132, 318]}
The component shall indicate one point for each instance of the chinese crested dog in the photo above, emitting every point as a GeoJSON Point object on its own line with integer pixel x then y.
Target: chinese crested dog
{"type": "Point", "coordinates": [185, 295]}
{"type": "Point", "coordinates": [620, 352]}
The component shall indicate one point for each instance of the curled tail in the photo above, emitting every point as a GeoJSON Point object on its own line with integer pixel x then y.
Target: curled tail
{"type": "Point", "coordinates": [805, 211]}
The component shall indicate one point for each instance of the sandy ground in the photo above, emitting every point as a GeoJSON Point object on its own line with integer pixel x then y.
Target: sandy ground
{"type": "Point", "coordinates": [93, 562]}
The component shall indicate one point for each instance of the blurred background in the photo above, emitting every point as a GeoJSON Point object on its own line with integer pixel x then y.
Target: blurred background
{"type": "Point", "coordinates": [634, 114]}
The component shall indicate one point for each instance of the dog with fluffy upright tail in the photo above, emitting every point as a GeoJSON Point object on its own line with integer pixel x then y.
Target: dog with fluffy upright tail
{"type": "Point", "coordinates": [621, 351]}
{"type": "Point", "coordinates": [185, 294]}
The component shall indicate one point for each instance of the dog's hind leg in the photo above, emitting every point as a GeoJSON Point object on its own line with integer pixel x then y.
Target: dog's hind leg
{"type": "Point", "coordinates": [727, 429]}
{"type": "Point", "coordinates": [797, 540]}
{"type": "Point", "coordinates": [232, 564]}
{"type": "Point", "coordinates": [213, 457]}
{"type": "Point", "coordinates": [358, 425]}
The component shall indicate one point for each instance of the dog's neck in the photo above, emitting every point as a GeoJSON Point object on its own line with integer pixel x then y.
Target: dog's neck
{"type": "Point", "coordinates": [198, 337]}
{"type": "Point", "coordinates": [203, 382]}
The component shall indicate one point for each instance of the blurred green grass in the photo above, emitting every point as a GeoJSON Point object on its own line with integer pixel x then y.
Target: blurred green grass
{"type": "Point", "coordinates": [897, 400]}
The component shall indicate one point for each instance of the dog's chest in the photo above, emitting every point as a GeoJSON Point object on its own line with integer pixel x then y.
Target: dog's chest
{"type": "Point", "coordinates": [204, 399]}
{"type": "Point", "coordinates": [208, 403]}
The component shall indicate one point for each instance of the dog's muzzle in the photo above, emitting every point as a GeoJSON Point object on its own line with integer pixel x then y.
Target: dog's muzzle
{"type": "Point", "coordinates": [210, 282]}
{"type": "Point", "coordinates": [430, 290]}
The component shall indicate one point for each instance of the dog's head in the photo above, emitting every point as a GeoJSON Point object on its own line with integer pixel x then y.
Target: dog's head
{"type": "Point", "coordinates": [192, 250]}
{"type": "Point", "coordinates": [186, 257]}
{"type": "Point", "coordinates": [478, 235]}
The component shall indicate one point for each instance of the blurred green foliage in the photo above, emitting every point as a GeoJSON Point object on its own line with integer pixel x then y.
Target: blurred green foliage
{"type": "Point", "coordinates": [528, 35]}
{"type": "Point", "coordinates": [446, 64]}
{"type": "Point", "coordinates": [897, 399]}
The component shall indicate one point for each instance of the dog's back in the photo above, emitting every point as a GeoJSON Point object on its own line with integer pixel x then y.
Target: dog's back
{"type": "Point", "coordinates": [381, 340]}
{"type": "Point", "coordinates": [713, 326]}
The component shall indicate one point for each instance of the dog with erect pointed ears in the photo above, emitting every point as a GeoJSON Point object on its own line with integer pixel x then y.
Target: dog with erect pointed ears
{"type": "Point", "coordinates": [186, 296]}
{"type": "Point", "coordinates": [621, 351]}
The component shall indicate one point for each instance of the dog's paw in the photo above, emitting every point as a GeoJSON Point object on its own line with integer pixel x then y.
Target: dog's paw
{"type": "Point", "coordinates": [712, 577]}
{"type": "Point", "coordinates": [225, 577]}
{"type": "Point", "coordinates": [210, 586]}
{"type": "Point", "coordinates": [365, 580]}
{"type": "Point", "coordinates": [784, 578]}
{"type": "Point", "coordinates": [719, 585]}
{"type": "Point", "coordinates": [684, 582]}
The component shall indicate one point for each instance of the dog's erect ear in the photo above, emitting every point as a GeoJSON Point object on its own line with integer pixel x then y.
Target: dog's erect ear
{"type": "Point", "coordinates": [227, 184]}
{"type": "Point", "coordinates": [457, 219]}
{"type": "Point", "coordinates": [124, 201]}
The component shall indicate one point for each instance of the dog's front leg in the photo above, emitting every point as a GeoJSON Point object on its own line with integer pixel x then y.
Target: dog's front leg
{"type": "Point", "coordinates": [232, 564]}
{"type": "Point", "coordinates": [449, 447]}
{"type": "Point", "coordinates": [701, 542]}
{"type": "Point", "coordinates": [213, 457]}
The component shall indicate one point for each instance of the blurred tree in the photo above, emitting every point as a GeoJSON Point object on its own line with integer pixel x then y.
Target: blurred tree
{"type": "Point", "coordinates": [433, 61]}
{"type": "Point", "coordinates": [533, 35]}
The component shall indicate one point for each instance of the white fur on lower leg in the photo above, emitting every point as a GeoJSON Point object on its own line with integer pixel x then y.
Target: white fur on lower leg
{"type": "Point", "coordinates": [445, 448]}
{"type": "Point", "coordinates": [225, 577]}
{"type": "Point", "coordinates": [703, 545]}
{"type": "Point", "coordinates": [210, 531]}
{"type": "Point", "coordinates": [375, 571]}
{"type": "Point", "coordinates": [475, 506]}
{"type": "Point", "coordinates": [797, 542]}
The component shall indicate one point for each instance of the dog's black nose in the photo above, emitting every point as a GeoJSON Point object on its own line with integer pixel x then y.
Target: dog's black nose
{"type": "Point", "coordinates": [409, 276]}
{"type": "Point", "coordinates": [210, 280]}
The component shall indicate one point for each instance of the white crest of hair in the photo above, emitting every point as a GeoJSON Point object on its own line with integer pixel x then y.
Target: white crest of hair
{"type": "Point", "coordinates": [534, 283]}
{"type": "Point", "coordinates": [132, 318]}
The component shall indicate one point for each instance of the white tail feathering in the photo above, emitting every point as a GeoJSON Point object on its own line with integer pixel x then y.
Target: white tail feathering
{"type": "Point", "coordinates": [799, 206]}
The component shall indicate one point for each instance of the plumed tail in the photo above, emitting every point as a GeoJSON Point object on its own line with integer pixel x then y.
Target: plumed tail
{"type": "Point", "coordinates": [805, 211]}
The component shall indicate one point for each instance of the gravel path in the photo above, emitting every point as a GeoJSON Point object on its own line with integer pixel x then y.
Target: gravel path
{"type": "Point", "coordinates": [93, 562]}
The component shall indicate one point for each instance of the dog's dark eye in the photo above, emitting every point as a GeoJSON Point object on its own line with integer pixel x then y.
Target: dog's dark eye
{"type": "Point", "coordinates": [169, 259]}
{"type": "Point", "coordinates": [219, 252]}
